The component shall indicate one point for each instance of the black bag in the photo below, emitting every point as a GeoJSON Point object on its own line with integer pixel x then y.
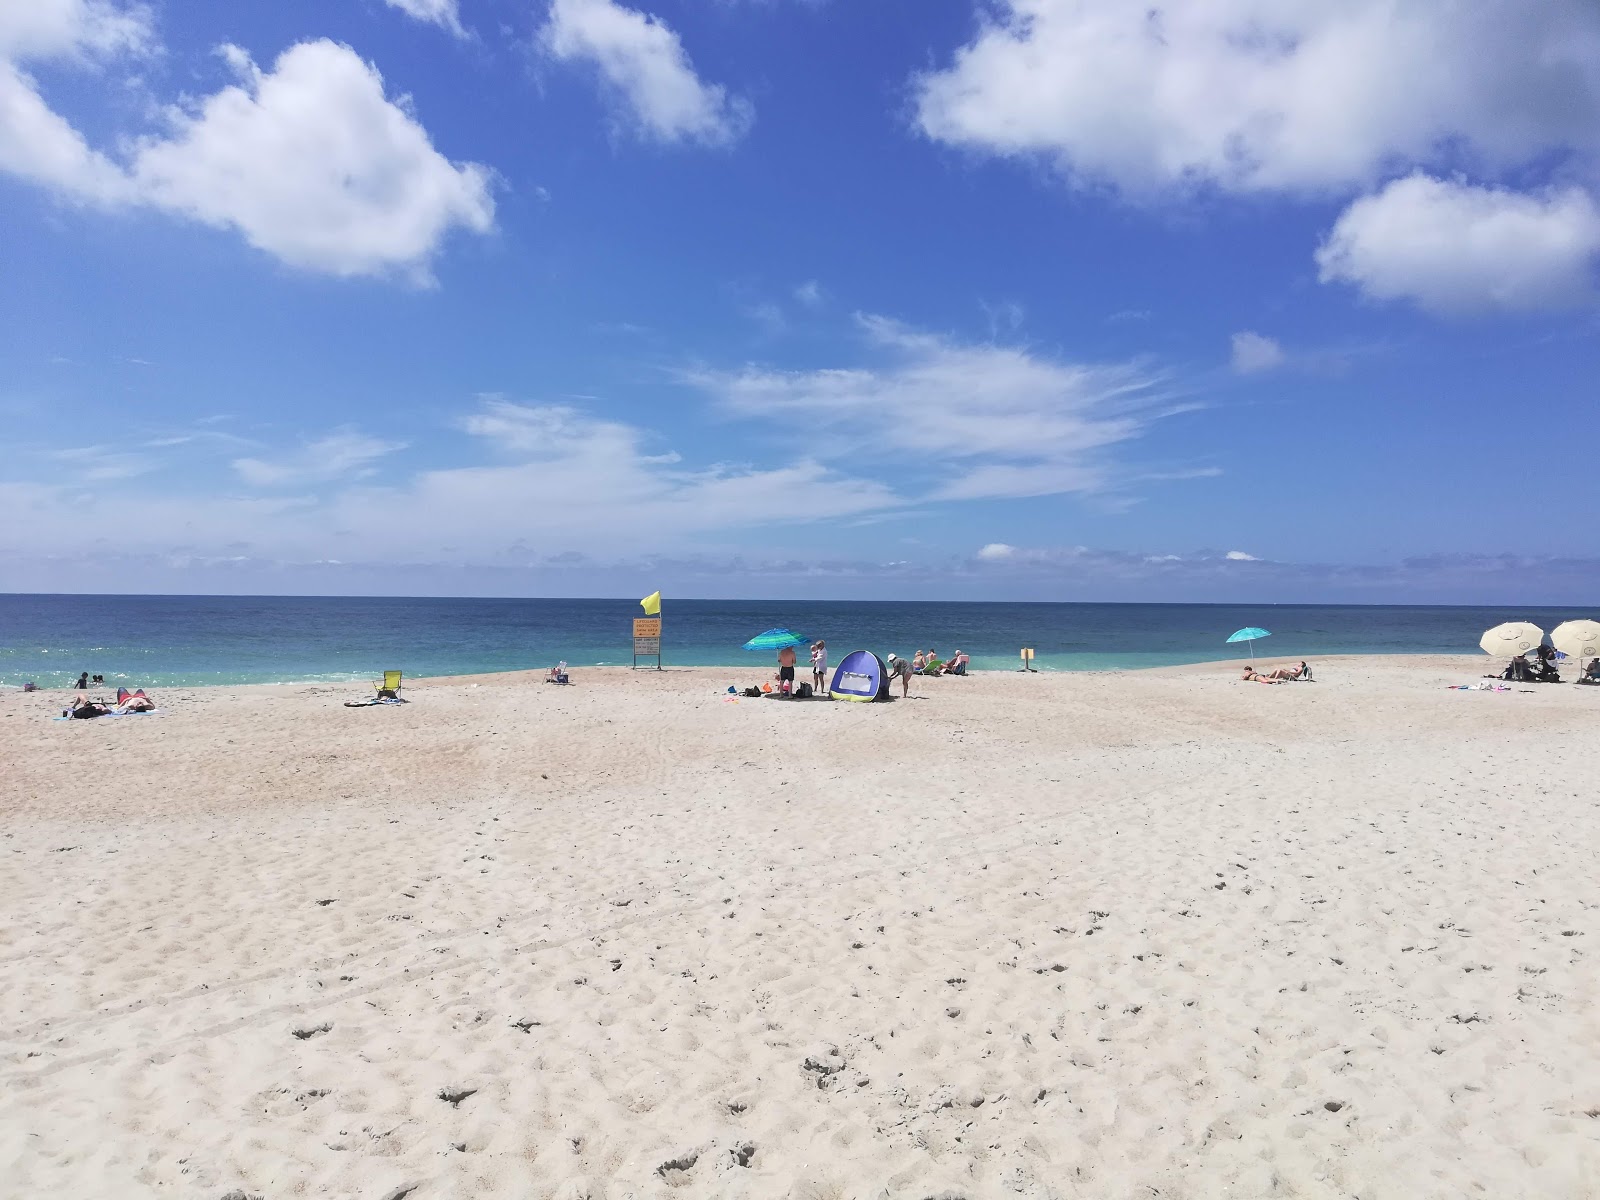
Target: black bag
{"type": "Point", "coordinates": [753, 693]}
{"type": "Point", "coordinates": [802, 691]}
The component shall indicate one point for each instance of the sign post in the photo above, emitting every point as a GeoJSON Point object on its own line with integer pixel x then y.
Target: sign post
{"type": "Point", "coordinates": [647, 641]}
{"type": "Point", "coordinates": [1027, 658]}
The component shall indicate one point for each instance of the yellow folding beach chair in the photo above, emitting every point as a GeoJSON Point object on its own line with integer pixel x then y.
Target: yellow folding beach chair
{"type": "Point", "coordinates": [390, 685]}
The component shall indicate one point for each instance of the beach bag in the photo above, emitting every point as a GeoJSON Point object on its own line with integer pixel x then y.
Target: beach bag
{"type": "Point", "coordinates": [753, 692]}
{"type": "Point", "coordinates": [802, 691]}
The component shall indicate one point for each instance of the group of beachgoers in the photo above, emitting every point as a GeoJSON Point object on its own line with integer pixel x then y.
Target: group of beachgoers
{"type": "Point", "coordinates": [83, 708]}
{"type": "Point", "coordinates": [924, 662]}
{"type": "Point", "coordinates": [1541, 668]}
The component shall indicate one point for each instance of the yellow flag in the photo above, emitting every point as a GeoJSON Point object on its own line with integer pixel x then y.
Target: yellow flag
{"type": "Point", "coordinates": [651, 604]}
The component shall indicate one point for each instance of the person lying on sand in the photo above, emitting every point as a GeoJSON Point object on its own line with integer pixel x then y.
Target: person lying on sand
{"type": "Point", "coordinates": [84, 708]}
{"type": "Point", "coordinates": [134, 701]}
{"type": "Point", "coordinates": [1251, 675]}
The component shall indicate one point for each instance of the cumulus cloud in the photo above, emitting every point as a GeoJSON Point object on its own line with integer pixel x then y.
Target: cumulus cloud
{"type": "Point", "coordinates": [1247, 95]}
{"type": "Point", "coordinates": [997, 552]}
{"type": "Point", "coordinates": [1253, 352]}
{"type": "Point", "coordinates": [1240, 556]}
{"type": "Point", "coordinates": [311, 161]}
{"type": "Point", "coordinates": [1451, 247]}
{"type": "Point", "coordinates": [443, 13]}
{"type": "Point", "coordinates": [643, 60]}
{"type": "Point", "coordinates": [1007, 421]}
{"type": "Point", "coordinates": [340, 455]}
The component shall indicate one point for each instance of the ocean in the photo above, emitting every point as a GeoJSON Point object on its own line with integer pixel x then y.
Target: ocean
{"type": "Point", "coordinates": [166, 641]}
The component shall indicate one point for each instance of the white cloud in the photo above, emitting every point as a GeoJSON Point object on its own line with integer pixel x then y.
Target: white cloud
{"type": "Point", "coordinates": [558, 480]}
{"type": "Point", "coordinates": [35, 142]}
{"type": "Point", "coordinates": [102, 464]}
{"type": "Point", "coordinates": [1452, 247]}
{"type": "Point", "coordinates": [997, 552]}
{"type": "Point", "coordinates": [313, 164]}
{"type": "Point", "coordinates": [1253, 352]}
{"type": "Point", "coordinates": [809, 294]}
{"type": "Point", "coordinates": [1268, 94]}
{"type": "Point", "coordinates": [767, 315]}
{"type": "Point", "coordinates": [443, 13]}
{"type": "Point", "coordinates": [644, 60]}
{"type": "Point", "coordinates": [1240, 556]}
{"type": "Point", "coordinates": [53, 28]}
{"type": "Point", "coordinates": [340, 455]}
{"type": "Point", "coordinates": [996, 420]}
{"type": "Point", "coordinates": [310, 161]}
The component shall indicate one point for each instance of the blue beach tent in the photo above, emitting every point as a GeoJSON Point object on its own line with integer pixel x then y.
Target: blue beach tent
{"type": "Point", "coordinates": [860, 676]}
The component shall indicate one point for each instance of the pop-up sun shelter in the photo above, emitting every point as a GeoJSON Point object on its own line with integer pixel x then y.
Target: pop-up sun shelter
{"type": "Point", "coordinates": [860, 676]}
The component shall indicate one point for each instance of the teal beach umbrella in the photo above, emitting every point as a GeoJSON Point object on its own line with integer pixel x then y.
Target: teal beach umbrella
{"type": "Point", "coordinates": [774, 639]}
{"type": "Point", "coordinates": [1249, 634]}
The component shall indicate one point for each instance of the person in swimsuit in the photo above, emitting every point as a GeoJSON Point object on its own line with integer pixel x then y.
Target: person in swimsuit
{"type": "Point", "coordinates": [134, 701]}
{"type": "Point", "coordinates": [819, 667]}
{"type": "Point", "coordinates": [786, 659]}
{"type": "Point", "coordinates": [84, 708]}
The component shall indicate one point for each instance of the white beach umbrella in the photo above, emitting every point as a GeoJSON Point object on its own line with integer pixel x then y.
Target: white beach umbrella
{"type": "Point", "coordinates": [1511, 639]}
{"type": "Point", "coordinates": [1579, 640]}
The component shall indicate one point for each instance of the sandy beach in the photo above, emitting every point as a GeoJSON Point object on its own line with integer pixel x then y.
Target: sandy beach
{"type": "Point", "coordinates": [1103, 935]}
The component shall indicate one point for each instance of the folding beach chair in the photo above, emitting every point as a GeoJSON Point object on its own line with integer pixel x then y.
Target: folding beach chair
{"type": "Point", "coordinates": [390, 687]}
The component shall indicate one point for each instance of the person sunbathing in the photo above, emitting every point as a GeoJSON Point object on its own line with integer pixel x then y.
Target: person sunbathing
{"type": "Point", "coordinates": [1288, 673]}
{"type": "Point", "coordinates": [84, 708]}
{"type": "Point", "coordinates": [134, 701]}
{"type": "Point", "coordinates": [1591, 673]}
{"type": "Point", "coordinates": [1251, 675]}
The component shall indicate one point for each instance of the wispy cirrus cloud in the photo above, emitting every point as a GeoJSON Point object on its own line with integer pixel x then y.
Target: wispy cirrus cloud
{"type": "Point", "coordinates": [343, 454]}
{"type": "Point", "coordinates": [103, 464]}
{"type": "Point", "coordinates": [539, 480]}
{"type": "Point", "coordinates": [999, 420]}
{"type": "Point", "coordinates": [1255, 352]}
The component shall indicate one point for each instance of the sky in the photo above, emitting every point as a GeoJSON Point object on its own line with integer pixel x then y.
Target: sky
{"type": "Point", "coordinates": [1227, 300]}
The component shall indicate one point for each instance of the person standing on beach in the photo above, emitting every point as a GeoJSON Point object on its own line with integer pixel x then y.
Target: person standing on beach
{"type": "Point", "coordinates": [786, 659]}
{"type": "Point", "coordinates": [819, 667]}
{"type": "Point", "coordinates": [901, 669]}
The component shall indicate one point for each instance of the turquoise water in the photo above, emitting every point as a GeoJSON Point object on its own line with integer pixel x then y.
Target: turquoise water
{"type": "Point", "coordinates": [197, 640]}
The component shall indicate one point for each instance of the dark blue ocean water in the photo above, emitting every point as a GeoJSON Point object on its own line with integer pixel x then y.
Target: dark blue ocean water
{"type": "Point", "coordinates": [190, 640]}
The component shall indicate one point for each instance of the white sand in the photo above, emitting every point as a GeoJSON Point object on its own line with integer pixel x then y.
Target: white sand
{"type": "Point", "coordinates": [1132, 935]}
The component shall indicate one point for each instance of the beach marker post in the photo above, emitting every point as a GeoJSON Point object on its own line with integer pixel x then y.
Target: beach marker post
{"type": "Point", "coordinates": [1027, 658]}
{"type": "Point", "coordinates": [646, 641]}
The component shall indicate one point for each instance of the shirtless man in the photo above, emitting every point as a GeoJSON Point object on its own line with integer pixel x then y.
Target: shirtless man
{"type": "Point", "coordinates": [786, 670]}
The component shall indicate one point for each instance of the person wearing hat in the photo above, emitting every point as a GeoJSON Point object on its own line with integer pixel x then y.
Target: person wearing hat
{"type": "Point", "coordinates": [899, 667]}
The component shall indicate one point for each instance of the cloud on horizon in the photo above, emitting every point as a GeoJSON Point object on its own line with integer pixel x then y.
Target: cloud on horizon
{"type": "Point", "coordinates": [996, 571]}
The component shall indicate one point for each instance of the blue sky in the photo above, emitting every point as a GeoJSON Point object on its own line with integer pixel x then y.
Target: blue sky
{"type": "Point", "coordinates": [1033, 299]}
